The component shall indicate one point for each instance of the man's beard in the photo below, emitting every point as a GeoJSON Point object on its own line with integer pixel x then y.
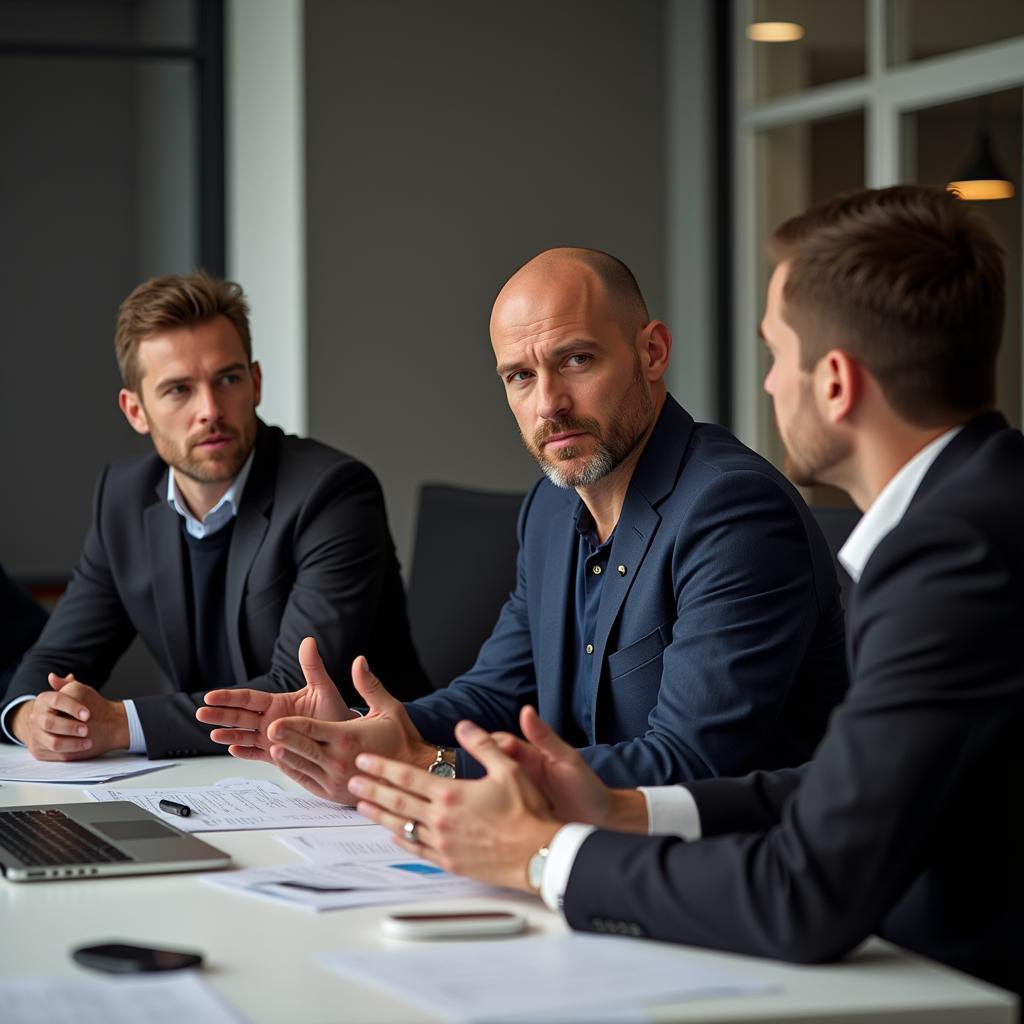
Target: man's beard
{"type": "Point", "coordinates": [612, 445]}
{"type": "Point", "coordinates": [811, 450]}
{"type": "Point", "coordinates": [224, 466]}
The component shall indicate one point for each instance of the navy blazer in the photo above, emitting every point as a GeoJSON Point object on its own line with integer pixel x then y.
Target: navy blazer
{"type": "Point", "coordinates": [720, 647]}
{"type": "Point", "coordinates": [904, 822]}
{"type": "Point", "coordinates": [310, 554]}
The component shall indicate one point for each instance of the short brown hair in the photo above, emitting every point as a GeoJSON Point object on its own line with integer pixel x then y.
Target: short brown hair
{"type": "Point", "coordinates": [910, 281]}
{"type": "Point", "coordinates": [165, 303]}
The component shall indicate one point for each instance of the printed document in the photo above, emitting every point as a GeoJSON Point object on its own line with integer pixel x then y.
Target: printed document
{"type": "Point", "coordinates": [361, 844]}
{"type": "Point", "coordinates": [236, 807]}
{"type": "Point", "coordinates": [570, 977]}
{"type": "Point", "coordinates": [155, 1000]}
{"type": "Point", "coordinates": [18, 765]}
{"type": "Point", "coordinates": [320, 887]}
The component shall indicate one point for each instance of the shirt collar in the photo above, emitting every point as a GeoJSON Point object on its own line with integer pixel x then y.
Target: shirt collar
{"type": "Point", "coordinates": [221, 514]}
{"type": "Point", "coordinates": [886, 511]}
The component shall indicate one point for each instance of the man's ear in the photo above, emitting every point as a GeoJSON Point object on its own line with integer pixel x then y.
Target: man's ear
{"type": "Point", "coordinates": [257, 382]}
{"type": "Point", "coordinates": [656, 343]}
{"type": "Point", "coordinates": [839, 384]}
{"type": "Point", "coordinates": [131, 405]}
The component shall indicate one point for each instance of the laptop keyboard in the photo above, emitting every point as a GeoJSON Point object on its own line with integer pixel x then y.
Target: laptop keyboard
{"type": "Point", "coordinates": [41, 838]}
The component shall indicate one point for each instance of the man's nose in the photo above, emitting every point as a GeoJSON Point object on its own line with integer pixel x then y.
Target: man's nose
{"type": "Point", "coordinates": [553, 400]}
{"type": "Point", "coordinates": [209, 404]}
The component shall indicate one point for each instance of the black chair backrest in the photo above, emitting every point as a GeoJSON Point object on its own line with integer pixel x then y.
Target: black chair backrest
{"type": "Point", "coordinates": [837, 524]}
{"type": "Point", "coordinates": [463, 569]}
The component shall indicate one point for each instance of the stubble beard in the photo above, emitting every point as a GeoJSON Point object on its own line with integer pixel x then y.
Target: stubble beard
{"type": "Point", "coordinates": [811, 450]}
{"type": "Point", "coordinates": [222, 466]}
{"type": "Point", "coordinates": [612, 446]}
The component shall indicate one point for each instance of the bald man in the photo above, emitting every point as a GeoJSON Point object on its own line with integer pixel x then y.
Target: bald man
{"type": "Point", "coordinates": [676, 613]}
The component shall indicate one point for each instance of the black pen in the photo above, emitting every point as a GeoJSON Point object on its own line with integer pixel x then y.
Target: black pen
{"type": "Point", "coordinates": [181, 810]}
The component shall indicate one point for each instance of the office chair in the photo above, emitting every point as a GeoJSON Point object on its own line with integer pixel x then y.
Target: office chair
{"type": "Point", "coordinates": [463, 569]}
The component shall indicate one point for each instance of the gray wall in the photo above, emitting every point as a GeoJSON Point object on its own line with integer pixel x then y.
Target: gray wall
{"type": "Point", "coordinates": [447, 142]}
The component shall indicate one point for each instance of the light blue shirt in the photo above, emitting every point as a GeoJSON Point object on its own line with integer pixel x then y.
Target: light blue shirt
{"type": "Point", "coordinates": [216, 519]}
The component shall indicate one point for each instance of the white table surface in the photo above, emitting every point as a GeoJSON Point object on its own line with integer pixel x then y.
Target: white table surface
{"type": "Point", "coordinates": [259, 955]}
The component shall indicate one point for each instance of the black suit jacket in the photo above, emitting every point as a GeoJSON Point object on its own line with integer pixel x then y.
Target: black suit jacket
{"type": "Point", "coordinates": [907, 822]}
{"type": "Point", "coordinates": [310, 555]}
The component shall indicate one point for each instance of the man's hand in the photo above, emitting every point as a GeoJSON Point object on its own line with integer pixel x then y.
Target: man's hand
{"type": "Point", "coordinates": [572, 789]}
{"type": "Point", "coordinates": [319, 755]}
{"type": "Point", "coordinates": [486, 828]}
{"type": "Point", "coordinates": [71, 722]}
{"type": "Point", "coordinates": [244, 716]}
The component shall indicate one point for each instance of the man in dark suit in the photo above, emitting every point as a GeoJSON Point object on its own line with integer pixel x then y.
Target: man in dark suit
{"type": "Point", "coordinates": [883, 319]}
{"type": "Point", "coordinates": [676, 611]}
{"type": "Point", "coordinates": [222, 549]}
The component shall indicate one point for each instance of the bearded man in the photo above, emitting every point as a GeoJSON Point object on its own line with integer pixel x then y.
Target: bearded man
{"type": "Point", "coordinates": [676, 613]}
{"type": "Point", "coordinates": [221, 549]}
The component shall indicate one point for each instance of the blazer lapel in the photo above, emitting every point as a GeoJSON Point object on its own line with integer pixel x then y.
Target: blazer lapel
{"type": "Point", "coordinates": [653, 479]}
{"type": "Point", "coordinates": [163, 539]}
{"type": "Point", "coordinates": [558, 573]}
{"type": "Point", "coordinates": [250, 528]}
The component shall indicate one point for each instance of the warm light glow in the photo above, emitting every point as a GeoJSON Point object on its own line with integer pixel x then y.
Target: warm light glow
{"type": "Point", "coordinates": [775, 31]}
{"type": "Point", "coordinates": [983, 188]}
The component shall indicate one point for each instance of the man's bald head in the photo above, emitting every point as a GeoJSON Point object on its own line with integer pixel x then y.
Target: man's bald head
{"type": "Point", "coordinates": [616, 286]}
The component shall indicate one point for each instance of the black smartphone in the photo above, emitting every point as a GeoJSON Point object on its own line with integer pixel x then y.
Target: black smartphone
{"type": "Point", "coordinates": [121, 958]}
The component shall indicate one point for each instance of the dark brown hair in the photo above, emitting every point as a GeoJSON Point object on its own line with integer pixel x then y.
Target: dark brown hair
{"type": "Point", "coordinates": [165, 303]}
{"type": "Point", "coordinates": [909, 281]}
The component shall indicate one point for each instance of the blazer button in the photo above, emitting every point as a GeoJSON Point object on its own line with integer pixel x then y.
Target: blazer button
{"type": "Point", "coordinates": [622, 570]}
{"type": "Point", "coordinates": [589, 648]}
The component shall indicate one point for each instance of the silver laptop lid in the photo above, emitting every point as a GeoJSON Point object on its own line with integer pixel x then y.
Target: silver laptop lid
{"type": "Point", "coordinates": [87, 839]}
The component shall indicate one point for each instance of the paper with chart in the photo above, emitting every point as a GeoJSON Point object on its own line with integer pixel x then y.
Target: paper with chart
{"type": "Point", "coordinates": [156, 1000]}
{"type": "Point", "coordinates": [570, 977]}
{"type": "Point", "coordinates": [237, 807]}
{"type": "Point", "coordinates": [318, 887]}
{"type": "Point", "coordinates": [18, 765]}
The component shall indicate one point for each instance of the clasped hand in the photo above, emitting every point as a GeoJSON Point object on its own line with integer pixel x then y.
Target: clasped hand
{"type": "Point", "coordinates": [70, 722]}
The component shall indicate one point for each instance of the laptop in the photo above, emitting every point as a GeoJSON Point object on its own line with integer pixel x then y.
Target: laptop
{"type": "Point", "coordinates": [82, 840]}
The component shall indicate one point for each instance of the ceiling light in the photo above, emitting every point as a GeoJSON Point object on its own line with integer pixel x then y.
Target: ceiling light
{"type": "Point", "coordinates": [982, 178]}
{"type": "Point", "coordinates": [774, 31]}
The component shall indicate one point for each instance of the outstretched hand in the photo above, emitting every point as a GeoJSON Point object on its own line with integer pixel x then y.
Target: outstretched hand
{"type": "Point", "coordinates": [244, 716]}
{"type": "Point", "coordinates": [320, 755]}
{"type": "Point", "coordinates": [485, 828]}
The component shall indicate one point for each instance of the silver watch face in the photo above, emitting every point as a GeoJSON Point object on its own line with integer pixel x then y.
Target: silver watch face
{"type": "Point", "coordinates": [535, 870]}
{"type": "Point", "coordinates": [442, 768]}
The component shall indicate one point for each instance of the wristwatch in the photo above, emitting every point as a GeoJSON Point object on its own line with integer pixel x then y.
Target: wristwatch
{"type": "Point", "coordinates": [444, 764]}
{"type": "Point", "coordinates": [535, 869]}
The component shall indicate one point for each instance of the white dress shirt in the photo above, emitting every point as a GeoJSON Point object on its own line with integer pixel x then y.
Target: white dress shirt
{"type": "Point", "coordinates": [216, 519]}
{"type": "Point", "coordinates": [672, 810]}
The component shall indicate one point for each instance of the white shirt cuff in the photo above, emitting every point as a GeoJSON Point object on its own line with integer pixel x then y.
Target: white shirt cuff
{"type": "Point", "coordinates": [562, 852]}
{"type": "Point", "coordinates": [136, 737]}
{"type": "Point", "coordinates": [7, 717]}
{"type": "Point", "coordinates": [671, 811]}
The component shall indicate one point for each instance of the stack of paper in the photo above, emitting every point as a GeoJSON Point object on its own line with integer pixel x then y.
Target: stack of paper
{"type": "Point", "coordinates": [352, 868]}
{"type": "Point", "coordinates": [18, 765]}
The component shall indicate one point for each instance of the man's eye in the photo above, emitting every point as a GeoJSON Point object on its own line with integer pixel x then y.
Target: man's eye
{"type": "Point", "coordinates": [231, 378]}
{"type": "Point", "coordinates": [578, 359]}
{"type": "Point", "coordinates": [518, 377]}
{"type": "Point", "coordinates": [176, 390]}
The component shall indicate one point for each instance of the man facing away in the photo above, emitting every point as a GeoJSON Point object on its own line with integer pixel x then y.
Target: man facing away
{"type": "Point", "coordinates": [883, 321]}
{"type": "Point", "coordinates": [676, 612]}
{"type": "Point", "coordinates": [222, 549]}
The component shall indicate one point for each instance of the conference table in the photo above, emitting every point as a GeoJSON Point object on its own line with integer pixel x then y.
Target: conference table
{"type": "Point", "coordinates": [260, 956]}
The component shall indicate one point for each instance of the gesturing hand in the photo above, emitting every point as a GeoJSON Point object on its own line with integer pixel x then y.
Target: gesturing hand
{"type": "Point", "coordinates": [485, 828]}
{"type": "Point", "coordinates": [319, 755]}
{"type": "Point", "coordinates": [244, 716]}
{"type": "Point", "coordinates": [70, 722]}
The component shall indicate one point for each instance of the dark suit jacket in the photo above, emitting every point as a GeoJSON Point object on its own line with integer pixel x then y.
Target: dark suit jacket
{"type": "Point", "coordinates": [310, 555]}
{"type": "Point", "coordinates": [719, 650]}
{"type": "Point", "coordinates": [907, 822]}
{"type": "Point", "coordinates": [21, 620]}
